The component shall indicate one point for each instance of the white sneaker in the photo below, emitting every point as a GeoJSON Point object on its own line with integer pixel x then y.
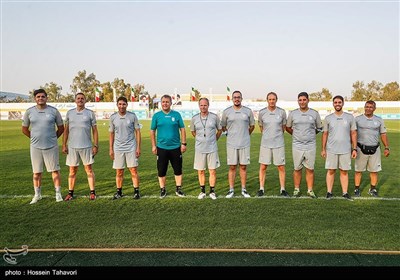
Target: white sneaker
{"type": "Point", "coordinates": [213, 196]}
{"type": "Point", "coordinates": [58, 197]}
{"type": "Point", "coordinates": [245, 193]}
{"type": "Point", "coordinates": [201, 195]}
{"type": "Point", "coordinates": [229, 194]}
{"type": "Point", "coordinates": [36, 198]}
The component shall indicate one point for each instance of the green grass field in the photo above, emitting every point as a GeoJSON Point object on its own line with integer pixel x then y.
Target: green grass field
{"type": "Point", "coordinates": [256, 223]}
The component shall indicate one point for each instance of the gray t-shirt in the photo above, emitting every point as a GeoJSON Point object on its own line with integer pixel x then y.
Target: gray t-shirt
{"type": "Point", "coordinates": [80, 125]}
{"type": "Point", "coordinates": [369, 129]}
{"type": "Point", "coordinates": [237, 123]}
{"type": "Point", "coordinates": [42, 123]}
{"type": "Point", "coordinates": [124, 131]}
{"type": "Point", "coordinates": [272, 123]}
{"type": "Point", "coordinates": [339, 132]}
{"type": "Point", "coordinates": [206, 130]}
{"type": "Point", "coordinates": [304, 125]}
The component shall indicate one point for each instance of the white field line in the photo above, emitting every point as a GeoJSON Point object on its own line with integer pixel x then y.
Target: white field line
{"type": "Point", "coordinates": [169, 196]}
{"type": "Point", "coordinates": [220, 250]}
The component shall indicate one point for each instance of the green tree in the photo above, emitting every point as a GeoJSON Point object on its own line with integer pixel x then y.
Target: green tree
{"type": "Point", "coordinates": [106, 92]}
{"type": "Point", "coordinates": [371, 91]}
{"type": "Point", "coordinates": [323, 95]}
{"type": "Point", "coordinates": [86, 84]}
{"type": "Point", "coordinates": [138, 90]}
{"type": "Point", "coordinates": [53, 92]}
{"type": "Point", "coordinates": [391, 92]}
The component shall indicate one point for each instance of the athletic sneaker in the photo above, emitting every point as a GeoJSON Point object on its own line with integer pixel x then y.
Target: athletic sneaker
{"type": "Point", "coordinates": [260, 193]}
{"type": "Point", "coordinates": [36, 198]}
{"type": "Point", "coordinates": [284, 193]}
{"type": "Point", "coordinates": [68, 197]}
{"type": "Point", "coordinates": [245, 193]}
{"type": "Point", "coordinates": [136, 194]}
{"type": "Point", "coordinates": [163, 193]}
{"type": "Point", "coordinates": [213, 196]}
{"type": "Point", "coordinates": [373, 192]}
{"type": "Point", "coordinates": [179, 193]}
{"type": "Point", "coordinates": [346, 196]}
{"type": "Point", "coordinates": [58, 197]}
{"type": "Point", "coordinates": [117, 195]}
{"type": "Point", "coordinates": [311, 194]}
{"type": "Point", "coordinates": [296, 193]}
{"type": "Point", "coordinates": [229, 194]}
{"type": "Point", "coordinates": [329, 195]}
{"type": "Point", "coordinates": [201, 195]}
{"type": "Point", "coordinates": [92, 196]}
{"type": "Point", "coordinates": [357, 193]}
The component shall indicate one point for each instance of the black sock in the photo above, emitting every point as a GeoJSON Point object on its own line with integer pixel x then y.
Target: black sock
{"type": "Point", "coordinates": [203, 189]}
{"type": "Point", "coordinates": [136, 189]}
{"type": "Point", "coordinates": [71, 192]}
{"type": "Point", "coordinates": [356, 187]}
{"type": "Point", "coordinates": [211, 189]}
{"type": "Point", "coordinates": [178, 188]}
{"type": "Point", "coordinates": [119, 191]}
{"type": "Point", "coordinates": [373, 187]}
{"type": "Point", "coordinates": [93, 192]}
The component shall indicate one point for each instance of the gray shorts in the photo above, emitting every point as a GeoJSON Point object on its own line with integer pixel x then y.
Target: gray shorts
{"type": "Point", "coordinates": [122, 158]}
{"type": "Point", "coordinates": [49, 157]}
{"type": "Point", "coordinates": [303, 159]}
{"type": "Point", "coordinates": [334, 161]}
{"type": "Point", "coordinates": [371, 163]}
{"type": "Point", "coordinates": [74, 155]}
{"type": "Point", "coordinates": [202, 160]}
{"type": "Point", "coordinates": [267, 155]}
{"type": "Point", "coordinates": [238, 156]}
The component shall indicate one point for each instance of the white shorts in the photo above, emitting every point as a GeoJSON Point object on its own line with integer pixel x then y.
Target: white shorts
{"type": "Point", "coordinates": [303, 159]}
{"type": "Point", "coordinates": [333, 161]}
{"type": "Point", "coordinates": [84, 154]}
{"type": "Point", "coordinates": [371, 163]}
{"type": "Point", "coordinates": [122, 158]}
{"type": "Point", "coordinates": [50, 157]}
{"type": "Point", "coordinates": [268, 154]}
{"type": "Point", "coordinates": [202, 160]}
{"type": "Point", "coordinates": [238, 156]}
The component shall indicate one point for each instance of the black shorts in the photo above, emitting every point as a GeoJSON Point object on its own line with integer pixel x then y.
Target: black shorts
{"type": "Point", "coordinates": [164, 157]}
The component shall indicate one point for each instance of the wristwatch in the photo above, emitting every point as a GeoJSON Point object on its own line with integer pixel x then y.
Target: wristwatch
{"type": "Point", "coordinates": [95, 146]}
{"type": "Point", "coordinates": [387, 148]}
{"type": "Point", "coordinates": [184, 144]}
{"type": "Point", "coordinates": [354, 149]}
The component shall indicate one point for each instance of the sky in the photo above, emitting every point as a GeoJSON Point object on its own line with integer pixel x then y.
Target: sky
{"type": "Point", "coordinates": [255, 47]}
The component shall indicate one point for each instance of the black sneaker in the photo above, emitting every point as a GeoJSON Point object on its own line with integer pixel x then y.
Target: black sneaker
{"type": "Point", "coordinates": [329, 195]}
{"type": "Point", "coordinates": [373, 192]}
{"type": "Point", "coordinates": [179, 193]}
{"type": "Point", "coordinates": [346, 196]}
{"type": "Point", "coordinates": [357, 193]}
{"type": "Point", "coordinates": [260, 193]}
{"type": "Point", "coordinates": [136, 194]}
{"type": "Point", "coordinates": [284, 193]}
{"type": "Point", "coordinates": [163, 193]}
{"type": "Point", "coordinates": [117, 196]}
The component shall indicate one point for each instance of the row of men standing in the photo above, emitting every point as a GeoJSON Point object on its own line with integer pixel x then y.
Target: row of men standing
{"type": "Point", "coordinates": [168, 139]}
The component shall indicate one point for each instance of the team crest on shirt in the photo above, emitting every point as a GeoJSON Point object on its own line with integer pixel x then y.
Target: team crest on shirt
{"type": "Point", "coordinates": [344, 121]}
{"type": "Point", "coordinates": [85, 118]}
{"type": "Point", "coordinates": [310, 118]}
{"type": "Point", "coordinates": [47, 115]}
{"type": "Point", "coordinates": [375, 123]}
{"type": "Point", "coordinates": [128, 121]}
{"type": "Point", "coordinates": [173, 119]}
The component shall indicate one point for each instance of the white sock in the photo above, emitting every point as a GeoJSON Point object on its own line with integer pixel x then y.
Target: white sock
{"type": "Point", "coordinates": [58, 189]}
{"type": "Point", "coordinates": [37, 191]}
